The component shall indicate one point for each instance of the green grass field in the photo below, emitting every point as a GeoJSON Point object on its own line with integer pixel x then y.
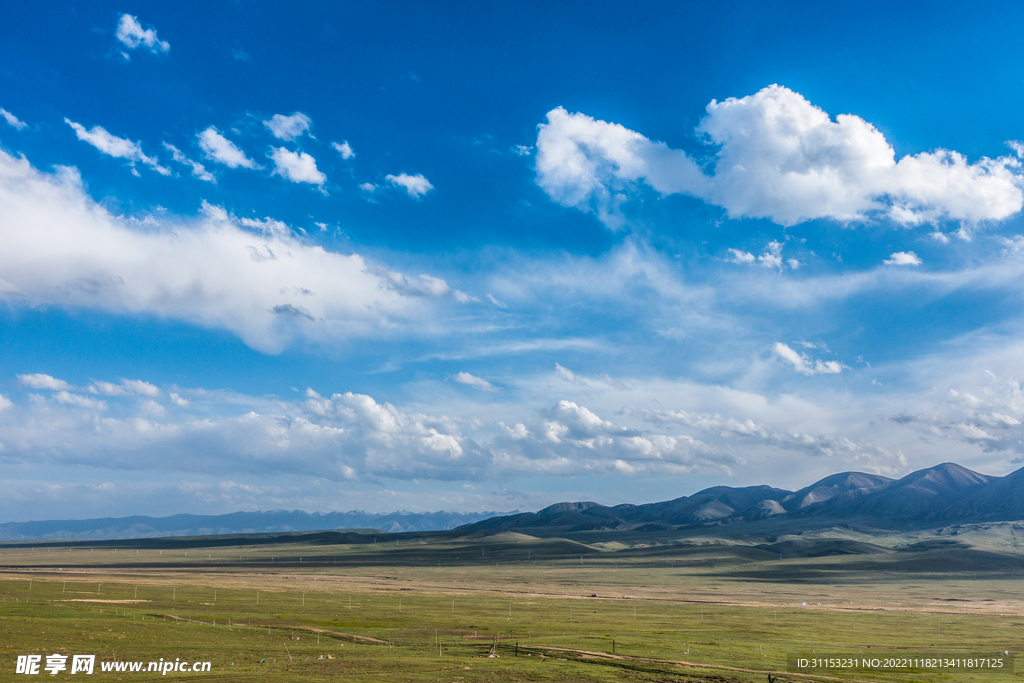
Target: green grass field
{"type": "Point", "coordinates": [432, 606]}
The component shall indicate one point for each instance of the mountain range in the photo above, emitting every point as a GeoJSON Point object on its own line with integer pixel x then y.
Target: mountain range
{"type": "Point", "coordinates": [275, 521]}
{"type": "Point", "coordinates": [944, 495]}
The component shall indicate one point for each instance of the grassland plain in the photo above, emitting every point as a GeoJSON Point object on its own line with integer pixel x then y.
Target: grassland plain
{"type": "Point", "coordinates": [594, 607]}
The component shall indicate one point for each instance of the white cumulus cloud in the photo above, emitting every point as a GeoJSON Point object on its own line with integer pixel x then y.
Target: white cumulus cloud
{"type": "Point", "coordinates": [218, 148]}
{"type": "Point", "coordinates": [13, 120]}
{"type": "Point", "coordinates": [590, 164]}
{"type": "Point", "coordinates": [738, 256]}
{"type": "Point", "coordinates": [774, 155]}
{"type": "Point", "coordinates": [754, 432]}
{"type": "Point", "coordinates": [245, 275]}
{"type": "Point", "coordinates": [474, 381]}
{"type": "Point", "coordinates": [120, 148]}
{"type": "Point", "coordinates": [80, 401]}
{"type": "Point", "coordinates": [415, 185]}
{"type": "Point", "coordinates": [41, 381]}
{"type": "Point", "coordinates": [571, 439]}
{"type": "Point", "coordinates": [903, 258]}
{"type": "Point", "coordinates": [289, 128]}
{"type": "Point", "coordinates": [133, 36]}
{"type": "Point", "coordinates": [346, 436]}
{"type": "Point", "coordinates": [107, 389]}
{"type": "Point", "coordinates": [297, 167]}
{"type": "Point", "coordinates": [344, 149]}
{"type": "Point", "coordinates": [805, 365]}
{"type": "Point", "coordinates": [771, 257]}
{"type": "Point", "coordinates": [127, 387]}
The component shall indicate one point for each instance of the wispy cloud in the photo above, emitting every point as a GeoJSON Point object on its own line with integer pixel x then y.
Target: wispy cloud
{"type": "Point", "coordinates": [120, 148]}
{"type": "Point", "coordinates": [568, 375]}
{"type": "Point", "coordinates": [474, 381]}
{"type": "Point", "coordinates": [198, 170]}
{"type": "Point", "coordinates": [13, 120]}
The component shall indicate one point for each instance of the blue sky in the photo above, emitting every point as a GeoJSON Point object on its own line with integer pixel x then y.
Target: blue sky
{"type": "Point", "coordinates": [488, 256]}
